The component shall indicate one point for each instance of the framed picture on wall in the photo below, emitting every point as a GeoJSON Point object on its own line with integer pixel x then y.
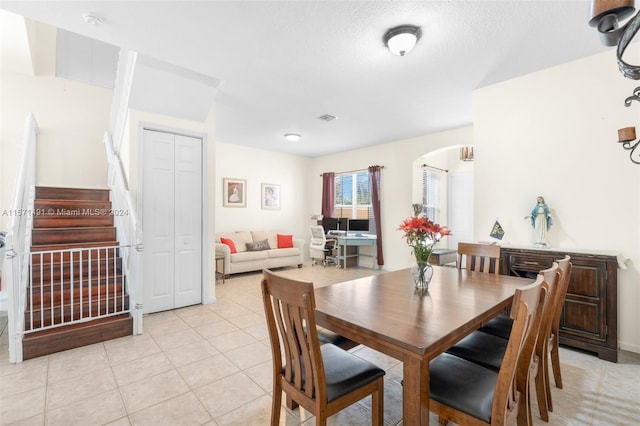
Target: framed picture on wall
{"type": "Point", "coordinates": [234, 192]}
{"type": "Point", "coordinates": [270, 196]}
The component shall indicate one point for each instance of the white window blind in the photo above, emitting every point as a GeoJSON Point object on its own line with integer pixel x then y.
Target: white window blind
{"type": "Point", "coordinates": [353, 195]}
{"type": "Point", "coordinates": [430, 194]}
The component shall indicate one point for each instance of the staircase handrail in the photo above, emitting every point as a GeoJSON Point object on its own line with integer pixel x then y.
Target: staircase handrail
{"type": "Point", "coordinates": [129, 232]}
{"type": "Point", "coordinates": [121, 94]}
{"type": "Point", "coordinates": [18, 240]}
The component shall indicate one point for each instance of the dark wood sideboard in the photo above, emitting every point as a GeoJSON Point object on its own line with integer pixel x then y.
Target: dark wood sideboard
{"type": "Point", "coordinates": [590, 314]}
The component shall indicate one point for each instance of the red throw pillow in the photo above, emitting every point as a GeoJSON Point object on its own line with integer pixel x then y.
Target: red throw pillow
{"type": "Point", "coordinates": [230, 243]}
{"type": "Point", "coordinates": [285, 241]}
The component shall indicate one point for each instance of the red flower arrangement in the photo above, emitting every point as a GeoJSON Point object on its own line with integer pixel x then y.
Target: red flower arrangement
{"type": "Point", "coordinates": [421, 234]}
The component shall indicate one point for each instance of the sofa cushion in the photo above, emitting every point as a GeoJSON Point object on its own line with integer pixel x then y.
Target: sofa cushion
{"type": "Point", "coordinates": [240, 239]}
{"type": "Point", "coordinates": [258, 245]}
{"type": "Point", "coordinates": [268, 235]}
{"type": "Point", "coordinates": [285, 241]}
{"type": "Point", "coordinates": [248, 256]}
{"type": "Point", "coordinates": [274, 253]}
{"type": "Point", "coordinates": [230, 243]}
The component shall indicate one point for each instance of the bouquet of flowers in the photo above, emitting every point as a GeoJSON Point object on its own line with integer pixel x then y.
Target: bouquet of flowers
{"type": "Point", "coordinates": [422, 234]}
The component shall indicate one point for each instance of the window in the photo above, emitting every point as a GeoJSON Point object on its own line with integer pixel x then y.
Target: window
{"type": "Point", "coordinates": [353, 195]}
{"type": "Point", "coordinates": [430, 194]}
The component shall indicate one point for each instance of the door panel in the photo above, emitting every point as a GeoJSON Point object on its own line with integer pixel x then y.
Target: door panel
{"type": "Point", "coordinates": [172, 221]}
{"type": "Point", "coordinates": [460, 208]}
{"type": "Point", "coordinates": [158, 188]}
{"type": "Point", "coordinates": [188, 224]}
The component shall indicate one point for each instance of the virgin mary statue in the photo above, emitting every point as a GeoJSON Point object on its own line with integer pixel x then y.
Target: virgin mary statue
{"type": "Point", "coordinates": [541, 222]}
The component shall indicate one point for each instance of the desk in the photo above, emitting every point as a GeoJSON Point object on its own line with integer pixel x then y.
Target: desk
{"type": "Point", "coordinates": [385, 313]}
{"type": "Point", "coordinates": [343, 242]}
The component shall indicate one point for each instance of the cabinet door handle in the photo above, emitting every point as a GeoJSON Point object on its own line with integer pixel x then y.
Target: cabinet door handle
{"type": "Point", "coordinates": [530, 263]}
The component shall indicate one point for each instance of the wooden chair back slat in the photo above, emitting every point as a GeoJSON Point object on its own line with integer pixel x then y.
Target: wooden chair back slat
{"type": "Point", "coordinates": [479, 257]}
{"type": "Point", "coordinates": [287, 316]}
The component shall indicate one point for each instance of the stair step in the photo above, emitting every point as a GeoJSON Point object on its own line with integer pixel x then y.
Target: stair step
{"type": "Point", "coordinates": [76, 335]}
{"type": "Point", "coordinates": [59, 193]}
{"type": "Point", "coordinates": [47, 236]}
{"type": "Point", "coordinates": [76, 206]}
{"type": "Point", "coordinates": [72, 213]}
{"type": "Point", "coordinates": [63, 313]}
{"type": "Point", "coordinates": [57, 295]}
{"type": "Point", "coordinates": [86, 221]}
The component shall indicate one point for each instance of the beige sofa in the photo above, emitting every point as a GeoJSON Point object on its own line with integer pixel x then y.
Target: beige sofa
{"type": "Point", "coordinates": [245, 260]}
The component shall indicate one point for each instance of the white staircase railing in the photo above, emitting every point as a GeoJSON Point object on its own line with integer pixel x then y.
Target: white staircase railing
{"type": "Point", "coordinates": [121, 93]}
{"type": "Point", "coordinates": [74, 285]}
{"type": "Point", "coordinates": [15, 273]}
{"type": "Point", "coordinates": [128, 232]}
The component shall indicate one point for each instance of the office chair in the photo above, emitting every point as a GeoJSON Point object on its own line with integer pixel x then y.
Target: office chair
{"type": "Point", "coordinates": [321, 248]}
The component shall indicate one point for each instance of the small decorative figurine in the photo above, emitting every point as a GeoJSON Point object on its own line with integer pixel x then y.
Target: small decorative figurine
{"type": "Point", "coordinates": [541, 222]}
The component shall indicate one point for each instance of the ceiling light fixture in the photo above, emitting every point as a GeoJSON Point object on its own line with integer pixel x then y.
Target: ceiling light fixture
{"type": "Point", "coordinates": [292, 137]}
{"type": "Point", "coordinates": [400, 40]}
{"type": "Point", "coordinates": [91, 19]}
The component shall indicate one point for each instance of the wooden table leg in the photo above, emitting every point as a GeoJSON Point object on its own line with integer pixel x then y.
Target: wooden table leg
{"type": "Point", "coordinates": [415, 393]}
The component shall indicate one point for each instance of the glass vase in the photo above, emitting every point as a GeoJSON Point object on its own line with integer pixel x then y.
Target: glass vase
{"type": "Point", "coordinates": [421, 272]}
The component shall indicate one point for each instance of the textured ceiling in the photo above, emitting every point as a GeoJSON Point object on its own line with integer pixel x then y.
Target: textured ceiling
{"type": "Point", "coordinates": [283, 63]}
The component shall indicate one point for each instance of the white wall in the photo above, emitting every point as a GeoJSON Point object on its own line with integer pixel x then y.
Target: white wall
{"type": "Point", "coordinates": [396, 182]}
{"type": "Point", "coordinates": [553, 133]}
{"type": "Point", "coordinates": [291, 172]}
{"type": "Point", "coordinates": [72, 118]}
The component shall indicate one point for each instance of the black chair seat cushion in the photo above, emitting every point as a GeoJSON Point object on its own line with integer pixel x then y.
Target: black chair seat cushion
{"type": "Point", "coordinates": [346, 372]}
{"type": "Point", "coordinates": [481, 348]}
{"type": "Point", "coordinates": [499, 326]}
{"type": "Point", "coordinates": [328, 336]}
{"type": "Point", "coordinates": [463, 385]}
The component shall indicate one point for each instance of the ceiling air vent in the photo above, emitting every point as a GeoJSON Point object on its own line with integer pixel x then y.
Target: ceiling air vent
{"type": "Point", "coordinates": [327, 117]}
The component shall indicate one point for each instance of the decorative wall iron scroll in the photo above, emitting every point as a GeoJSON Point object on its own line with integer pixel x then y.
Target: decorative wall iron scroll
{"type": "Point", "coordinates": [627, 135]}
{"type": "Point", "coordinates": [628, 70]}
{"type": "Point", "coordinates": [606, 16]}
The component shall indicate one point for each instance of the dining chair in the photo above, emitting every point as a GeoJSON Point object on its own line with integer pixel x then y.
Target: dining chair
{"type": "Point", "coordinates": [323, 379]}
{"type": "Point", "coordinates": [479, 257]}
{"type": "Point", "coordinates": [565, 266]}
{"type": "Point", "coordinates": [467, 393]}
{"type": "Point", "coordinates": [501, 325]}
{"type": "Point", "coordinates": [488, 350]}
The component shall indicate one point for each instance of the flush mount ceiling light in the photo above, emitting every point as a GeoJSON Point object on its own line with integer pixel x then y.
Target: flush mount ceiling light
{"type": "Point", "coordinates": [91, 19]}
{"type": "Point", "coordinates": [292, 137]}
{"type": "Point", "coordinates": [400, 40]}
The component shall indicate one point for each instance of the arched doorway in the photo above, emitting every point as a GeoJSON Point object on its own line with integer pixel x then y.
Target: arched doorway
{"type": "Point", "coordinates": [443, 184]}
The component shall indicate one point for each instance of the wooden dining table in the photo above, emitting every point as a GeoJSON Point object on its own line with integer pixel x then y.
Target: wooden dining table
{"type": "Point", "coordinates": [385, 312]}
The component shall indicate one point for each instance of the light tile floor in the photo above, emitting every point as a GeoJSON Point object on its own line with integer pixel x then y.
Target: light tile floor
{"type": "Point", "coordinates": [211, 365]}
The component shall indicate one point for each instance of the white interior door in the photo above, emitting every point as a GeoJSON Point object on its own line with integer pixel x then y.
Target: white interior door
{"type": "Point", "coordinates": [172, 220]}
{"type": "Point", "coordinates": [460, 208]}
{"type": "Point", "coordinates": [188, 223]}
